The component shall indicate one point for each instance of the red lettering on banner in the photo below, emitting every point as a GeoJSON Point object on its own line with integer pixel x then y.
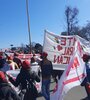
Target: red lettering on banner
{"type": "Point", "coordinates": [68, 51]}
{"type": "Point", "coordinates": [75, 63]}
{"type": "Point", "coordinates": [58, 59]}
{"type": "Point", "coordinates": [79, 48]}
{"type": "Point", "coordinates": [26, 56]}
{"type": "Point", "coordinates": [55, 58]}
{"type": "Point", "coordinates": [20, 56]}
{"type": "Point", "coordinates": [61, 59]}
{"type": "Point", "coordinates": [70, 40]}
{"type": "Point", "coordinates": [59, 47]}
{"type": "Point", "coordinates": [71, 50]}
{"type": "Point", "coordinates": [74, 41]}
{"type": "Point", "coordinates": [67, 59]}
{"type": "Point", "coordinates": [63, 41]}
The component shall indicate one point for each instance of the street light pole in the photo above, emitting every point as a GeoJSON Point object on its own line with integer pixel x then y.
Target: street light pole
{"type": "Point", "coordinates": [28, 25]}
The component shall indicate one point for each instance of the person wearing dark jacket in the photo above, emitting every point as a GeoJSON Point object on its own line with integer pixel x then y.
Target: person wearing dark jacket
{"type": "Point", "coordinates": [46, 70]}
{"type": "Point", "coordinates": [6, 91]}
{"type": "Point", "coordinates": [25, 76]}
{"type": "Point", "coordinates": [86, 82]}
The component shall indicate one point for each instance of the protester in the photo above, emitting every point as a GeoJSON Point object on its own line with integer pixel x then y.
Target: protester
{"type": "Point", "coordinates": [17, 60]}
{"type": "Point", "coordinates": [24, 77]}
{"type": "Point", "coordinates": [86, 82]}
{"type": "Point", "coordinates": [13, 65]}
{"type": "Point", "coordinates": [6, 91]}
{"type": "Point", "coordinates": [33, 60]}
{"type": "Point", "coordinates": [35, 65]}
{"type": "Point", "coordinates": [46, 70]}
{"type": "Point", "coordinates": [37, 58]}
{"type": "Point", "coordinates": [4, 65]}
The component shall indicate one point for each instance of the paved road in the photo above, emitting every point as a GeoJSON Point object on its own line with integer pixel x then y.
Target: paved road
{"type": "Point", "coordinates": [76, 93]}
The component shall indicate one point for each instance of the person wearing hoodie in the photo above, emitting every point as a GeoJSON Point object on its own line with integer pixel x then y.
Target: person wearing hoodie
{"type": "Point", "coordinates": [6, 91]}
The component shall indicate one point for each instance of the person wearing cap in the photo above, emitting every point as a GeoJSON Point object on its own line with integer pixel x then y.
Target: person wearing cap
{"type": "Point", "coordinates": [46, 71]}
{"type": "Point", "coordinates": [86, 82]}
{"type": "Point", "coordinates": [6, 91]}
{"type": "Point", "coordinates": [17, 60]}
{"type": "Point", "coordinates": [25, 76]}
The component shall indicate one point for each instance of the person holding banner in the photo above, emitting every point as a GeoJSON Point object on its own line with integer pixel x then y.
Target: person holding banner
{"type": "Point", "coordinates": [46, 70]}
{"type": "Point", "coordinates": [86, 82]}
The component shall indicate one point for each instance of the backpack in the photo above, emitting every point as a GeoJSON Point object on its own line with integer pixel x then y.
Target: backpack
{"type": "Point", "coordinates": [31, 91]}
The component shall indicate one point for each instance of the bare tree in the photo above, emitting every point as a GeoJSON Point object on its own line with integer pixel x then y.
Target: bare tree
{"type": "Point", "coordinates": [71, 18]}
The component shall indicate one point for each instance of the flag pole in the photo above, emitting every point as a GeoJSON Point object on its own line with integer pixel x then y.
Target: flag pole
{"type": "Point", "coordinates": [28, 26]}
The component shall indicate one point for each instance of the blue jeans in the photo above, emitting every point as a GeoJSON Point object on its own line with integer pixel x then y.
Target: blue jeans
{"type": "Point", "coordinates": [45, 89]}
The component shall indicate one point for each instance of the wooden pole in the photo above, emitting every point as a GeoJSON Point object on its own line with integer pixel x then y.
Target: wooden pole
{"type": "Point", "coordinates": [28, 25]}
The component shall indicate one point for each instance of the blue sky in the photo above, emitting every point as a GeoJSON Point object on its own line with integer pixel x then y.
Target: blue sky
{"type": "Point", "coordinates": [44, 14]}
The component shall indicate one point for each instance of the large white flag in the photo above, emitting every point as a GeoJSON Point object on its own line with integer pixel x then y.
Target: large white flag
{"type": "Point", "coordinates": [60, 48]}
{"type": "Point", "coordinates": [73, 75]}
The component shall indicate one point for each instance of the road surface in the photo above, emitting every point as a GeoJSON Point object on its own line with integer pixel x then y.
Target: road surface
{"type": "Point", "coordinates": [76, 93]}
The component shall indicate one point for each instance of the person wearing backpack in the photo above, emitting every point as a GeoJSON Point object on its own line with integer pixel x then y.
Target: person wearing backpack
{"type": "Point", "coordinates": [6, 91]}
{"type": "Point", "coordinates": [25, 77]}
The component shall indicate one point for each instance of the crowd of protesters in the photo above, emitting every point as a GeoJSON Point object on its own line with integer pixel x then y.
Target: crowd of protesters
{"type": "Point", "coordinates": [26, 78]}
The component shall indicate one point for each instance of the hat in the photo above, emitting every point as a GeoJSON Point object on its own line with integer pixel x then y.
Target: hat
{"type": "Point", "coordinates": [26, 64]}
{"type": "Point", "coordinates": [2, 76]}
{"type": "Point", "coordinates": [10, 58]}
{"type": "Point", "coordinates": [44, 54]}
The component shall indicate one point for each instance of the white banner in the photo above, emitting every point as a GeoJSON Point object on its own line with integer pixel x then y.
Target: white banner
{"type": "Point", "coordinates": [60, 48]}
{"type": "Point", "coordinates": [73, 75]}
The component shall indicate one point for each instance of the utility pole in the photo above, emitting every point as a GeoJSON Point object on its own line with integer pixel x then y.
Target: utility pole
{"type": "Point", "coordinates": [28, 25]}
